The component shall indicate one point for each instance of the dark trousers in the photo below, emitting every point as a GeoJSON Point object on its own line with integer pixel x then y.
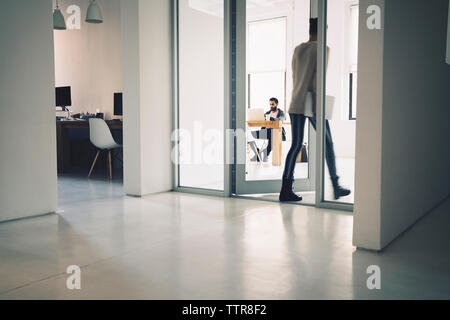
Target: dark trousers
{"type": "Point", "coordinates": [269, 137]}
{"type": "Point", "coordinates": [298, 130]}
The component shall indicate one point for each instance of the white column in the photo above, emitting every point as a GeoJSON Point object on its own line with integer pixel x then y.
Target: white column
{"type": "Point", "coordinates": [367, 209]}
{"type": "Point", "coordinates": [27, 110]}
{"type": "Point", "coordinates": [146, 48]}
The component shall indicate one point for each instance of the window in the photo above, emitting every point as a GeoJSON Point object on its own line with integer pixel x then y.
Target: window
{"type": "Point", "coordinates": [266, 62]}
{"type": "Point", "coordinates": [264, 84]}
{"type": "Point", "coordinates": [353, 85]}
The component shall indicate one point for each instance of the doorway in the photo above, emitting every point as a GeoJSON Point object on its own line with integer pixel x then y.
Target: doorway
{"type": "Point", "coordinates": [264, 49]}
{"type": "Point", "coordinates": [88, 81]}
{"type": "Point", "coordinates": [232, 59]}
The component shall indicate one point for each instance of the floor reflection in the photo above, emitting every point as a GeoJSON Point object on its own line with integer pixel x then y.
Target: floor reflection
{"type": "Point", "coordinates": [181, 246]}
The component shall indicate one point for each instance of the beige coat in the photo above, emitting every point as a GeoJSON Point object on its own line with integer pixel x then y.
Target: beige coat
{"type": "Point", "coordinates": [304, 71]}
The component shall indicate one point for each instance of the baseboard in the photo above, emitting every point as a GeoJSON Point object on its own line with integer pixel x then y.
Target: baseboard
{"type": "Point", "coordinates": [27, 218]}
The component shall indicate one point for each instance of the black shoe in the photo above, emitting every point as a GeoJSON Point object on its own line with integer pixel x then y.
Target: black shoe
{"type": "Point", "coordinates": [287, 193]}
{"type": "Point", "coordinates": [339, 191]}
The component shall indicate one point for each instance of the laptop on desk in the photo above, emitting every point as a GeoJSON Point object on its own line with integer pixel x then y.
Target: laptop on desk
{"type": "Point", "coordinates": [256, 115]}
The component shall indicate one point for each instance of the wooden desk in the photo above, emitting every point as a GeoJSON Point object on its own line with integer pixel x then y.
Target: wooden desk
{"type": "Point", "coordinates": [277, 138]}
{"type": "Point", "coordinates": [63, 142]}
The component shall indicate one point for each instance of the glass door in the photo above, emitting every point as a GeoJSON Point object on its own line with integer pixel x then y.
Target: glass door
{"type": "Point", "coordinates": [199, 96]}
{"type": "Point", "coordinates": [337, 102]}
{"type": "Point", "coordinates": [266, 36]}
{"type": "Point", "coordinates": [342, 83]}
{"type": "Point", "coordinates": [232, 66]}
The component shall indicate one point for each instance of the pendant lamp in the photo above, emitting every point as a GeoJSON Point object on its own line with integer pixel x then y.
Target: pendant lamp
{"type": "Point", "coordinates": [59, 23]}
{"type": "Point", "coordinates": [94, 14]}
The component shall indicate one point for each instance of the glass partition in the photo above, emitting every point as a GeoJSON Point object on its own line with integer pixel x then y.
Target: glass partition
{"type": "Point", "coordinates": [201, 94]}
{"type": "Point", "coordinates": [273, 32]}
{"type": "Point", "coordinates": [340, 104]}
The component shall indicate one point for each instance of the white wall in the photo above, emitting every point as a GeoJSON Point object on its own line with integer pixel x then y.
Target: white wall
{"type": "Point", "coordinates": [402, 155]}
{"type": "Point", "coordinates": [27, 112]}
{"type": "Point", "coordinates": [89, 59]}
{"type": "Point", "coordinates": [146, 62]}
{"type": "Point", "coordinates": [129, 23]}
{"type": "Point", "coordinates": [416, 113]}
{"type": "Point", "coordinates": [367, 206]}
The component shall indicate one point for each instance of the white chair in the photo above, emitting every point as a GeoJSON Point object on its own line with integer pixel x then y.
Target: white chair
{"type": "Point", "coordinates": [102, 138]}
{"type": "Point", "coordinates": [252, 146]}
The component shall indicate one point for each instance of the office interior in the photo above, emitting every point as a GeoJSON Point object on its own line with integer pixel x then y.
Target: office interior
{"type": "Point", "coordinates": [88, 81]}
{"type": "Point", "coordinates": [190, 230]}
{"type": "Point", "coordinates": [273, 31]}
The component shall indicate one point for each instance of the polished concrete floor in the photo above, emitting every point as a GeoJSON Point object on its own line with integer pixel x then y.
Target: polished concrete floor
{"type": "Point", "coordinates": [346, 170]}
{"type": "Point", "coordinates": [181, 246]}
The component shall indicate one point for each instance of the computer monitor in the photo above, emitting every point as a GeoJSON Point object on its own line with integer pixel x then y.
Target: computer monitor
{"type": "Point", "coordinates": [63, 97]}
{"type": "Point", "coordinates": [118, 104]}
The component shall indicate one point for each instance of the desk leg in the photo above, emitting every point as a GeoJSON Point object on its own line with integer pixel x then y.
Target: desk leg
{"type": "Point", "coordinates": [63, 149]}
{"type": "Point", "coordinates": [110, 165]}
{"type": "Point", "coordinates": [277, 148]}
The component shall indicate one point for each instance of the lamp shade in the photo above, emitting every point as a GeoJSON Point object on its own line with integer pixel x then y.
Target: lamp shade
{"type": "Point", "coordinates": [94, 14]}
{"type": "Point", "coordinates": [58, 20]}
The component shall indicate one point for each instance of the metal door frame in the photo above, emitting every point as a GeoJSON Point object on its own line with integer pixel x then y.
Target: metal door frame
{"type": "Point", "coordinates": [239, 52]}
{"type": "Point", "coordinates": [235, 93]}
{"type": "Point", "coordinates": [320, 106]}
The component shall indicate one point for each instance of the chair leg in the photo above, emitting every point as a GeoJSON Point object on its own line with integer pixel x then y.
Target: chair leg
{"type": "Point", "coordinates": [110, 165]}
{"type": "Point", "coordinates": [254, 147]}
{"type": "Point", "coordinates": [115, 156]}
{"type": "Point", "coordinates": [93, 164]}
{"type": "Point", "coordinates": [259, 157]}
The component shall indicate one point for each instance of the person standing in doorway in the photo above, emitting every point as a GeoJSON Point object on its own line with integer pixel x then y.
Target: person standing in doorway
{"type": "Point", "coordinates": [304, 68]}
